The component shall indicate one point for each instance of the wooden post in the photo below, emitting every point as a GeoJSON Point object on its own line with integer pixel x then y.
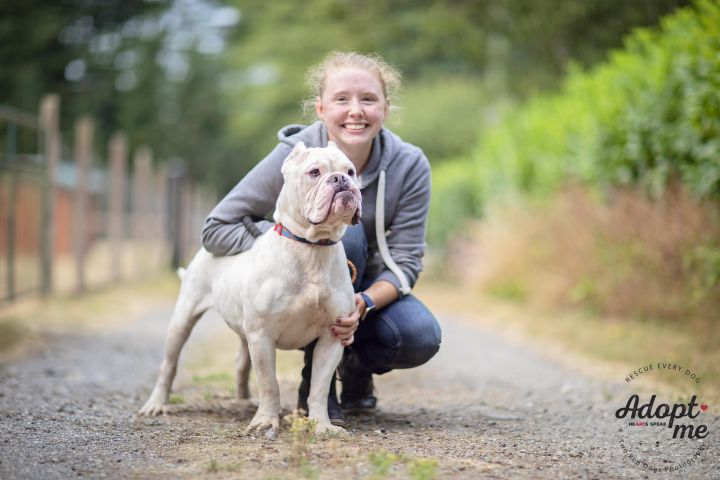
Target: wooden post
{"type": "Point", "coordinates": [160, 220]}
{"type": "Point", "coordinates": [83, 153]}
{"type": "Point", "coordinates": [50, 127]}
{"type": "Point", "coordinates": [186, 216]}
{"type": "Point", "coordinates": [11, 225]}
{"type": "Point", "coordinates": [142, 174]}
{"type": "Point", "coordinates": [118, 167]}
{"type": "Point", "coordinates": [198, 217]}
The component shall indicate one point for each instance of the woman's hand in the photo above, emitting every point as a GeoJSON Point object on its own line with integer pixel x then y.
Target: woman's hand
{"type": "Point", "coordinates": [344, 327]}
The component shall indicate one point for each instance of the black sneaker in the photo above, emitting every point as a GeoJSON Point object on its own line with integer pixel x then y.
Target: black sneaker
{"type": "Point", "coordinates": [357, 385]}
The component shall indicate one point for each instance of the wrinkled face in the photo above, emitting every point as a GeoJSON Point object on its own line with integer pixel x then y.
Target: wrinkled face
{"type": "Point", "coordinates": [352, 106]}
{"type": "Point", "coordinates": [325, 183]}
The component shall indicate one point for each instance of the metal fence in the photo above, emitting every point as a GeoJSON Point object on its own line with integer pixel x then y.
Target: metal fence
{"type": "Point", "coordinates": [71, 219]}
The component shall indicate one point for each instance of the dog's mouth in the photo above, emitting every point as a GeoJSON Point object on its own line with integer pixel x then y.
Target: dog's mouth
{"type": "Point", "coordinates": [342, 201]}
{"type": "Point", "coordinates": [343, 195]}
{"type": "Point", "coordinates": [345, 200]}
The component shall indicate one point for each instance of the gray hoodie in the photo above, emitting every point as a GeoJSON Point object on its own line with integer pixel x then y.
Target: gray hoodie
{"type": "Point", "coordinates": [406, 200]}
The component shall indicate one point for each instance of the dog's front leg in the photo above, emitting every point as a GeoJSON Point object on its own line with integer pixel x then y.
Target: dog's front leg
{"type": "Point", "coordinates": [326, 357]}
{"type": "Point", "coordinates": [262, 354]}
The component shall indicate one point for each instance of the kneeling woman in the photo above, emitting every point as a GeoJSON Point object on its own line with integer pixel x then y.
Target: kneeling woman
{"type": "Point", "coordinates": [389, 328]}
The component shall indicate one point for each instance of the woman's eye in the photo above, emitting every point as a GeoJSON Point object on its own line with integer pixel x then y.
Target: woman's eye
{"type": "Point", "coordinates": [351, 172]}
{"type": "Point", "coordinates": [314, 173]}
{"type": "Point", "coordinates": [341, 99]}
{"type": "Point", "coordinates": [368, 100]}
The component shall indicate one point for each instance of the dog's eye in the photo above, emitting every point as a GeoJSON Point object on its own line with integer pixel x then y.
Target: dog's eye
{"type": "Point", "coordinates": [314, 173]}
{"type": "Point", "coordinates": [351, 172]}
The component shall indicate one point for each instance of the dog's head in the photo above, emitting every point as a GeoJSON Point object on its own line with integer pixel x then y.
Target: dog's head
{"type": "Point", "coordinates": [321, 194]}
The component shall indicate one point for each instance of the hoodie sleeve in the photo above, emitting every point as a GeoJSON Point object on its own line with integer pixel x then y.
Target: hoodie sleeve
{"type": "Point", "coordinates": [406, 237]}
{"type": "Point", "coordinates": [256, 195]}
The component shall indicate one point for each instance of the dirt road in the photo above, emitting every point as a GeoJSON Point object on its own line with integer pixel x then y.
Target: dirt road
{"type": "Point", "coordinates": [485, 407]}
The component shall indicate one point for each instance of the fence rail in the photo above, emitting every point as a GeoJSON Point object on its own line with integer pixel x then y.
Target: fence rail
{"type": "Point", "coordinates": [73, 223]}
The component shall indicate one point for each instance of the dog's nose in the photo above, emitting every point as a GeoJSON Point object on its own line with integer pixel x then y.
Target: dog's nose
{"type": "Point", "coordinates": [339, 180]}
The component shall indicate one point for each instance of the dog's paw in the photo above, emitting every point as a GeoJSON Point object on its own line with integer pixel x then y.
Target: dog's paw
{"type": "Point", "coordinates": [153, 408]}
{"type": "Point", "coordinates": [263, 422]}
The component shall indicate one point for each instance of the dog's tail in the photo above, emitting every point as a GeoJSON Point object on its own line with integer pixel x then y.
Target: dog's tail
{"type": "Point", "coordinates": [181, 272]}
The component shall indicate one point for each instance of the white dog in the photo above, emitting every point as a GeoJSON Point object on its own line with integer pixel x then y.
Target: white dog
{"type": "Point", "coordinates": [283, 292]}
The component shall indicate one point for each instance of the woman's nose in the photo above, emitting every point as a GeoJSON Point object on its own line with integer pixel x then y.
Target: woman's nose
{"type": "Point", "coordinates": [355, 107]}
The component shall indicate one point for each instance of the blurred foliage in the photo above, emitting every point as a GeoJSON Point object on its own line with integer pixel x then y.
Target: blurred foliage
{"type": "Point", "coordinates": [212, 82]}
{"type": "Point", "coordinates": [150, 69]}
{"type": "Point", "coordinates": [647, 120]}
{"type": "Point", "coordinates": [445, 49]}
{"type": "Point", "coordinates": [631, 257]}
{"type": "Point", "coordinates": [456, 196]}
{"type": "Point", "coordinates": [429, 107]}
{"type": "Point", "coordinates": [650, 113]}
{"type": "Point", "coordinates": [704, 264]}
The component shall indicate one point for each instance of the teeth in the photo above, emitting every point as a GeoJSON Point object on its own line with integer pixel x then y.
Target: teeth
{"type": "Point", "coordinates": [355, 126]}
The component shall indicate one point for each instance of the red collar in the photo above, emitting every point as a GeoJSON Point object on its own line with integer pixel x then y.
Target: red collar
{"type": "Point", "coordinates": [287, 233]}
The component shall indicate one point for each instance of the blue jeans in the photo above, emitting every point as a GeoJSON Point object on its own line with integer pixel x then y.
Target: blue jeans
{"type": "Point", "coordinates": [404, 334]}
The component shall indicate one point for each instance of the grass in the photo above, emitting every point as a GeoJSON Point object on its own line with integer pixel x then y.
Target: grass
{"type": "Point", "coordinates": [12, 332]}
{"type": "Point", "coordinates": [224, 381]}
{"type": "Point", "coordinates": [388, 465]}
{"type": "Point", "coordinates": [382, 461]}
{"type": "Point", "coordinates": [213, 466]}
{"type": "Point", "coordinates": [423, 469]}
{"type": "Point", "coordinates": [302, 434]}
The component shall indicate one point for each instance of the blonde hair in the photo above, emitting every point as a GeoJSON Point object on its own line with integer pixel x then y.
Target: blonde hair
{"type": "Point", "coordinates": [389, 76]}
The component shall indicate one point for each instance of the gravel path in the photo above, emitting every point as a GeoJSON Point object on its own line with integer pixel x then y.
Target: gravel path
{"type": "Point", "coordinates": [485, 407]}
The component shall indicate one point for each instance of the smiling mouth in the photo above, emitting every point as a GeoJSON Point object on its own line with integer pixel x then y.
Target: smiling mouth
{"type": "Point", "coordinates": [355, 127]}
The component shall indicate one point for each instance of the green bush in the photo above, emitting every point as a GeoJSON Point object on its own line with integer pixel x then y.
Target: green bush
{"type": "Point", "coordinates": [442, 116]}
{"type": "Point", "coordinates": [652, 112]}
{"type": "Point", "coordinates": [455, 197]}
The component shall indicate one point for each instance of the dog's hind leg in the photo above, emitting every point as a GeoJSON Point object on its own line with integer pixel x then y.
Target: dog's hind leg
{"type": "Point", "coordinates": [186, 314]}
{"type": "Point", "coordinates": [242, 365]}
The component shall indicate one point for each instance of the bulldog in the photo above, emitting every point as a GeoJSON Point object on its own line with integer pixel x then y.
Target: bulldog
{"type": "Point", "coordinates": [283, 293]}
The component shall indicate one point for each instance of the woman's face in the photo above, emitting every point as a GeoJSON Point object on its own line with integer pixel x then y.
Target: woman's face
{"type": "Point", "coordinates": [353, 107]}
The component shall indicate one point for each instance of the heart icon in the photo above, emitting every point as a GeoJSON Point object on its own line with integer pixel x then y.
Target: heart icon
{"type": "Point", "coordinates": [703, 407]}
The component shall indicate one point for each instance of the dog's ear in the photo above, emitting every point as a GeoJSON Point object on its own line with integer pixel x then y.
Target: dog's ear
{"type": "Point", "coordinates": [299, 152]}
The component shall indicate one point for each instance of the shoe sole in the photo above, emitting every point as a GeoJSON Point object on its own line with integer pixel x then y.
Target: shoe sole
{"type": "Point", "coordinates": [339, 422]}
{"type": "Point", "coordinates": [359, 411]}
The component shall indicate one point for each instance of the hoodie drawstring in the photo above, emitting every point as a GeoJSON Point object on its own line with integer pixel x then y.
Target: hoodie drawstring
{"type": "Point", "coordinates": [382, 241]}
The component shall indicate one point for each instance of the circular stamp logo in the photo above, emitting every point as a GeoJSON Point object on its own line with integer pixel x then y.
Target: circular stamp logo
{"type": "Point", "coordinates": [660, 434]}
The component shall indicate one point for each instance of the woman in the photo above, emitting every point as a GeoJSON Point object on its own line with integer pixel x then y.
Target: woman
{"type": "Point", "coordinates": [389, 328]}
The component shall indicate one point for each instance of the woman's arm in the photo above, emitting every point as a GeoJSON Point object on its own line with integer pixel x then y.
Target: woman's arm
{"type": "Point", "coordinates": [255, 195]}
{"type": "Point", "coordinates": [407, 245]}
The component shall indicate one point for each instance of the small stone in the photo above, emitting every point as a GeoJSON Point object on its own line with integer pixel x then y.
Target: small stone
{"type": "Point", "coordinates": [271, 434]}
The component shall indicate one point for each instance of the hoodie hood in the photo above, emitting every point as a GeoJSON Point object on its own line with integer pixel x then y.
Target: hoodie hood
{"type": "Point", "coordinates": [386, 146]}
